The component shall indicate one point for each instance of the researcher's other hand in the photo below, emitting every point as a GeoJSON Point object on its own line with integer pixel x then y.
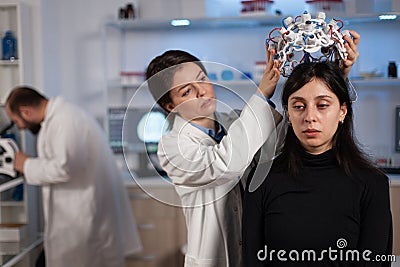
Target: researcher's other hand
{"type": "Point", "coordinates": [351, 46]}
{"type": "Point", "coordinates": [271, 74]}
{"type": "Point", "coordinates": [19, 161]}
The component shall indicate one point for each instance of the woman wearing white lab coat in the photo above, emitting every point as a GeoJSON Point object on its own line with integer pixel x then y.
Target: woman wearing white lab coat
{"type": "Point", "coordinates": [88, 220]}
{"type": "Point", "coordinates": [207, 172]}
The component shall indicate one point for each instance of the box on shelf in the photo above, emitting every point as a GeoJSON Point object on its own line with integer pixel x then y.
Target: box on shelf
{"type": "Point", "coordinates": [256, 7]}
{"type": "Point", "coordinates": [328, 6]}
{"type": "Point", "coordinates": [12, 232]}
{"type": "Point", "coordinates": [259, 68]}
{"type": "Point", "coordinates": [132, 77]}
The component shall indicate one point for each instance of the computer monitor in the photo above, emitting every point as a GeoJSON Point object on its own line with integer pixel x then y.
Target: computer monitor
{"type": "Point", "coordinates": [137, 131]}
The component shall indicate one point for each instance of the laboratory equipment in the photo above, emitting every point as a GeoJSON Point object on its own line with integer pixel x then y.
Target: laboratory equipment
{"type": "Point", "coordinates": [304, 39]}
{"type": "Point", "coordinates": [8, 149]}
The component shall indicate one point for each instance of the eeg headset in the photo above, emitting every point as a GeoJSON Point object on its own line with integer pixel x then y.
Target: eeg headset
{"type": "Point", "coordinates": [304, 39]}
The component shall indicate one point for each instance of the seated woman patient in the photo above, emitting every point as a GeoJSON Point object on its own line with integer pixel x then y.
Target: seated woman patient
{"type": "Point", "coordinates": [323, 203]}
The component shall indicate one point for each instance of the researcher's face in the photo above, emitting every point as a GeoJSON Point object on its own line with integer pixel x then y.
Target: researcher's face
{"type": "Point", "coordinates": [315, 113]}
{"type": "Point", "coordinates": [192, 94]}
{"type": "Point", "coordinates": [23, 123]}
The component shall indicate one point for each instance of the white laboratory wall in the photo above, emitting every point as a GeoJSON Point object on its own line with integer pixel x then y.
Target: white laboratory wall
{"type": "Point", "coordinates": [36, 46]}
{"type": "Point", "coordinates": [51, 48]}
{"type": "Point", "coordinates": [73, 59]}
{"type": "Point", "coordinates": [72, 49]}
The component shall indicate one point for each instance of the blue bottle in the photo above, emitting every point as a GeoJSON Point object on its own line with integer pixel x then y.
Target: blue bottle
{"type": "Point", "coordinates": [9, 46]}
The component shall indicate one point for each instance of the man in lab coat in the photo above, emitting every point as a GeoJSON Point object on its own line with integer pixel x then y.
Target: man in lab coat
{"type": "Point", "coordinates": [88, 220]}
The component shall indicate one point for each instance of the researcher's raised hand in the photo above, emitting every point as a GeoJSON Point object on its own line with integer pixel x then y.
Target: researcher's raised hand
{"type": "Point", "coordinates": [271, 74]}
{"type": "Point", "coordinates": [351, 46]}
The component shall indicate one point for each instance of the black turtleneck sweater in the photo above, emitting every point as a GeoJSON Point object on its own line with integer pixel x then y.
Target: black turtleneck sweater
{"type": "Point", "coordinates": [321, 209]}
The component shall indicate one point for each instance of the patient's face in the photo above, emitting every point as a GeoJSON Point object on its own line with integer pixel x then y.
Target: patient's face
{"type": "Point", "coordinates": [315, 113]}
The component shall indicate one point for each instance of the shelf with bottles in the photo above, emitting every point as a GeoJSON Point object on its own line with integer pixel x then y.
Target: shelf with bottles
{"type": "Point", "coordinates": [15, 58]}
{"type": "Point", "coordinates": [117, 35]}
{"type": "Point", "coordinates": [9, 31]}
{"type": "Point", "coordinates": [233, 22]}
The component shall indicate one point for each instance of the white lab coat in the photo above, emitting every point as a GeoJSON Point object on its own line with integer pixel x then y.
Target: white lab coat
{"type": "Point", "coordinates": [88, 220]}
{"type": "Point", "coordinates": [206, 176]}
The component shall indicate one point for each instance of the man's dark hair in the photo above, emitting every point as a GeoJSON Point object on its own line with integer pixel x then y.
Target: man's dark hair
{"type": "Point", "coordinates": [24, 96]}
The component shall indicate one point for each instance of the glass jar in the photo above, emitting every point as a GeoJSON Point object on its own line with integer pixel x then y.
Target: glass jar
{"type": "Point", "coordinates": [9, 46]}
{"type": "Point", "coordinates": [392, 70]}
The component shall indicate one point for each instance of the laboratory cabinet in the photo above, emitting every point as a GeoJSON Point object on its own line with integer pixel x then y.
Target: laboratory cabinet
{"type": "Point", "coordinates": [162, 227]}
{"type": "Point", "coordinates": [19, 223]}
{"type": "Point", "coordinates": [13, 218]}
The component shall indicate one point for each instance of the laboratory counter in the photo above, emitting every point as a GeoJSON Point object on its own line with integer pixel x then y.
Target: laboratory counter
{"type": "Point", "coordinates": [131, 180]}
